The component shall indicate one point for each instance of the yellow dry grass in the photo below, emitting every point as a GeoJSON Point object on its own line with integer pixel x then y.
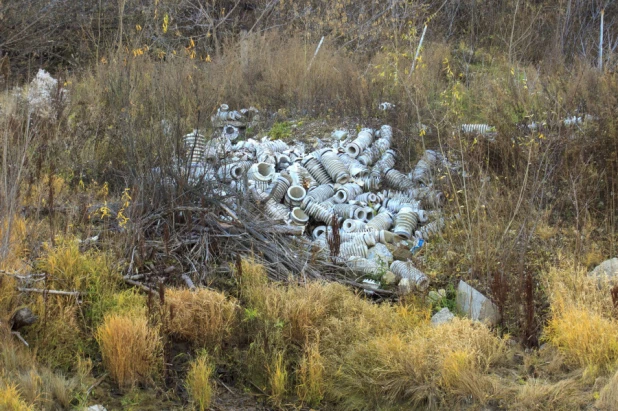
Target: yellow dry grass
{"type": "Point", "coordinates": [131, 349]}
{"type": "Point", "coordinates": [199, 381]}
{"type": "Point", "coordinates": [204, 317]}
{"type": "Point", "coordinates": [10, 399]}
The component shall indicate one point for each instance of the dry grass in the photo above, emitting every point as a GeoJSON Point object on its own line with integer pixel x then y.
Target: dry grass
{"type": "Point", "coordinates": [608, 397]}
{"type": "Point", "coordinates": [131, 349]}
{"type": "Point", "coordinates": [310, 376]}
{"type": "Point", "coordinates": [427, 367]}
{"type": "Point", "coordinates": [587, 339]}
{"type": "Point", "coordinates": [10, 400]}
{"type": "Point", "coordinates": [200, 382]}
{"type": "Point", "coordinates": [277, 378]}
{"type": "Point", "coordinates": [204, 317]}
{"type": "Point", "coordinates": [582, 325]}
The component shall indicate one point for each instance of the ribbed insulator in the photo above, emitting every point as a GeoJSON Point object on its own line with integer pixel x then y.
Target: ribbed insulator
{"type": "Point", "coordinates": [298, 217]}
{"type": "Point", "coordinates": [317, 211]}
{"type": "Point", "coordinates": [386, 133]}
{"type": "Point", "coordinates": [370, 183]}
{"type": "Point", "coordinates": [335, 167]}
{"type": "Point", "coordinates": [276, 210]}
{"type": "Point", "coordinates": [362, 141]}
{"type": "Point", "coordinates": [245, 166]}
{"type": "Point", "coordinates": [305, 178]}
{"type": "Point", "coordinates": [265, 155]}
{"type": "Point", "coordinates": [369, 213]}
{"type": "Point", "coordinates": [279, 188]}
{"type": "Point", "coordinates": [294, 196]}
{"type": "Point", "coordinates": [397, 180]}
{"type": "Point", "coordinates": [369, 156]}
{"type": "Point", "coordinates": [385, 163]}
{"type": "Point", "coordinates": [245, 145]}
{"type": "Point", "coordinates": [320, 231]}
{"type": "Point", "coordinates": [394, 205]}
{"type": "Point", "coordinates": [382, 221]}
{"type": "Point", "coordinates": [353, 249]}
{"type": "Point", "coordinates": [262, 174]}
{"type": "Point", "coordinates": [368, 198]}
{"type": "Point", "coordinates": [429, 230]}
{"type": "Point", "coordinates": [363, 266]}
{"type": "Point", "coordinates": [348, 211]}
{"type": "Point", "coordinates": [411, 277]}
{"type": "Point", "coordinates": [422, 171]}
{"type": "Point", "coordinates": [316, 169]}
{"type": "Point", "coordinates": [276, 146]}
{"type": "Point", "coordinates": [230, 172]}
{"type": "Point", "coordinates": [405, 222]}
{"type": "Point", "coordinates": [404, 196]}
{"type": "Point", "coordinates": [354, 226]}
{"type": "Point", "coordinates": [369, 237]}
{"type": "Point", "coordinates": [322, 192]}
{"type": "Point", "coordinates": [477, 128]}
{"type": "Point", "coordinates": [348, 192]}
{"type": "Point", "coordinates": [217, 148]}
{"type": "Point", "coordinates": [195, 146]}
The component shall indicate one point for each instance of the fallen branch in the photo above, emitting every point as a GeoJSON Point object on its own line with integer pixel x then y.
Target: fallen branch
{"type": "Point", "coordinates": [367, 287]}
{"type": "Point", "coordinates": [18, 335]}
{"type": "Point", "coordinates": [96, 384]}
{"type": "Point", "coordinates": [188, 280]}
{"type": "Point", "coordinates": [53, 292]}
{"type": "Point", "coordinates": [140, 285]}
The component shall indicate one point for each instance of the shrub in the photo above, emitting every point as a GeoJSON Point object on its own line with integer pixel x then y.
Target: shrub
{"type": "Point", "coordinates": [204, 317]}
{"type": "Point", "coordinates": [199, 381]}
{"type": "Point", "coordinates": [131, 349]}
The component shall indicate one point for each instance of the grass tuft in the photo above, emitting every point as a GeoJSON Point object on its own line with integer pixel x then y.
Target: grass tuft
{"type": "Point", "coordinates": [131, 349]}
{"type": "Point", "coordinates": [199, 381]}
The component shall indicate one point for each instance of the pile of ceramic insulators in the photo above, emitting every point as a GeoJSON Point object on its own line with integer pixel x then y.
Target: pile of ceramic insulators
{"type": "Point", "coordinates": [351, 184]}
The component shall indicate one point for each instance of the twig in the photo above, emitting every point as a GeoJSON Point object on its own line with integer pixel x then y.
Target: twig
{"type": "Point", "coordinates": [54, 292]}
{"type": "Point", "coordinates": [18, 335]}
{"type": "Point", "coordinates": [188, 280]}
{"type": "Point", "coordinates": [96, 384]}
{"type": "Point", "coordinates": [226, 387]}
{"type": "Point", "coordinates": [140, 285]}
{"type": "Point", "coordinates": [315, 54]}
{"type": "Point", "coordinates": [418, 50]}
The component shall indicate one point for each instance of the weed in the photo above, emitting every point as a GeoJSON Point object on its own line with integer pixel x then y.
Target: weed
{"type": "Point", "coordinates": [280, 131]}
{"type": "Point", "coordinates": [199, 381]}
{"type": "Point", "coordinates": [277, 378]}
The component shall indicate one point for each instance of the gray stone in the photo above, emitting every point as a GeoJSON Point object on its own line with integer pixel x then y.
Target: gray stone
{"type": "Point", "coordinates": [96, 408]}
{"type": "Point", "coordinates": [475, 305]}
{"type": "Point", "coordinates": [443, 316]}
{"type": "Point", "coordinates": [608, 269]}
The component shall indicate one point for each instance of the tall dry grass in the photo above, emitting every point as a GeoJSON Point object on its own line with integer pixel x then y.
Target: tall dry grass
{"type": "Point", "coordinates": [199, 381]}
{"type": "Point", "coordinates": [131, 349]}
{"type": "Point", "coordinates": [204, 317]}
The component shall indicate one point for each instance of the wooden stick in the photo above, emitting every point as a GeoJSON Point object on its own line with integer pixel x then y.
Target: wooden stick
{"type": "Point", "coordinates": [188, 280]}
{"type": "Point", "coordinates": [18, 335]}
{"type": "Point", "coordinates": [96, 384]}
{"type": "Point", "coordinates": [140, 285]}
{"type": "Point", "coordinates": [54, 292]}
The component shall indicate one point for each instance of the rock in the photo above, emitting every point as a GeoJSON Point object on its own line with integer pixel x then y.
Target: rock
{"type": "Point", "coordinates": [22, 318]}
{"type": "Point", "coordinates": [443, 316]}
{"type": "Point", "coordinates": [608, 269]}
{"type": "Point", "coordinates": [434, 296]}
{"type": "Point", "coordinates": [97, 407]}
{"type": "Point", "coordinates": [475, 305]}
{"type": "Point", "coordinates": [389, 278]}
